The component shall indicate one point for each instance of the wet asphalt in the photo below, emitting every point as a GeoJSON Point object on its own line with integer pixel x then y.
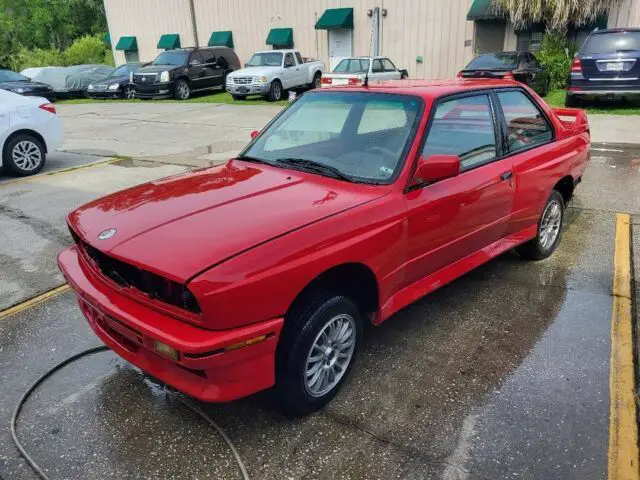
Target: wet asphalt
{"type": "Point", "coordinates": [504, 373]}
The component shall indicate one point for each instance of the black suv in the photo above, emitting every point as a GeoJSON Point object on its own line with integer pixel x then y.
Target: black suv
{"type": "Point", "coordinates": [178, 73]}
{"type": "Point", "coordinates": [607, 66]}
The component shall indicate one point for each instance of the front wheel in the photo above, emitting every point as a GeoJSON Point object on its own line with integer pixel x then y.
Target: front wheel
{"type": "Point", "coordinates": [317, 349]}
{"type": "Point", "coordinates": [549, 230]}
{"type": "Point", "coordinates": [572, 102]}
{"type": "Point", "coordinates": [182, 90]}
{"type": "Point", "coordinates": [129, 92]}
{"type": "Point", "coordinates": [275, 92]}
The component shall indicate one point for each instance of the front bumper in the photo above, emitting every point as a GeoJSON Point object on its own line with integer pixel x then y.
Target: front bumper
{"type": "Point", "coordinates": [251, 89]}
{"type": "Point", "coordinates": [105, 94]}
{"type": "Point", "coordinates": [203, 369]}
{"type": "Point", "coordinates": [155, 90]}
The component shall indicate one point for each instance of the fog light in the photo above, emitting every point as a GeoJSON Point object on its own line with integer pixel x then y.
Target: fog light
{"type": "Point", "coordinates": [166, 350]}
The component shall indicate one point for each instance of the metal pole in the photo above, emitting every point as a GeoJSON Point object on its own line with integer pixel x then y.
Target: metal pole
{"type": "Point", "coordinates": [193, 23]}
{"type": "Point", "coordinates": [376, 31]}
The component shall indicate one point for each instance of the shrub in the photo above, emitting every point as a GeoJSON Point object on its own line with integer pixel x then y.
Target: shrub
{"type": "Point", "coordinates": [88, 49]}
{"type": "Point", "coordinates": [38, 57]}
{"type": "Point", "coordinates": [556, 53]}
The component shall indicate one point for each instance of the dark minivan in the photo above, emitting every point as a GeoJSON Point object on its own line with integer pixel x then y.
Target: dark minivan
{"type": "Point", "coordinates": [178, 73]}
{"type": "Point", "coordinates": [607, 66]}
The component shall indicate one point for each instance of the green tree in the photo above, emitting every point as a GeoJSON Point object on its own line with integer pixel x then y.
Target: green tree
{"type": "Point", "coordinates": [556, 14]}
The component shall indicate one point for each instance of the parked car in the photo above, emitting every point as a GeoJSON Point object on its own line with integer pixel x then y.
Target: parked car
{"type": "Point", "coordinates": [16, 83]}
{"type": "Point", "coordinates": [29, 130]}
{"type": "Point", "coordinates": [225, 281]}
{"type": "Point", "coordinates": [178, 73]}
{"type": "Point", "coordinates": [606, 66]}
{"type": "Point", "coordinates": [272, 72]}
{"type": "Point", "coordinates": [70, 82]}
{"type": "Point", "coordinates": [352, 71]}
{"type": "Point", "coordinates": [520, 66]}
{"type": "Point", "coordinates": [117, 84]}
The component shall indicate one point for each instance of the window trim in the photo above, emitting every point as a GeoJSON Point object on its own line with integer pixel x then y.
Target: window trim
{"type": "Point", "coordinates": [506, 151]}
{"type": "Point", "coordinates": [284, 60]}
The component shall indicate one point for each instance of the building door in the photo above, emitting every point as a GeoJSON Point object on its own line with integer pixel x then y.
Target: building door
{"type": "Point", "coordinates": [489, 36]}
{"type": "Point", "coordinates": [340, 45]}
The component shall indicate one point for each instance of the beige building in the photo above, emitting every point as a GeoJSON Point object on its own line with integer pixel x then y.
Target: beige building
{"type": "Point", "coordinates": [430, 38]}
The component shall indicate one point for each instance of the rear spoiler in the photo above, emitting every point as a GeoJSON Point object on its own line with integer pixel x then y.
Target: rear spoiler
{"type": "Point", "coordinates": [574, 120]}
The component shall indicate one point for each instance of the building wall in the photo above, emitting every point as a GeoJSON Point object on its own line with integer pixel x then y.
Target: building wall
{"type": "Point", "coordinates": [435, 30]}
{"type": "Point", "coordinates": [510, 38]}
{"type": "Point", "coordinates": [626, 14]}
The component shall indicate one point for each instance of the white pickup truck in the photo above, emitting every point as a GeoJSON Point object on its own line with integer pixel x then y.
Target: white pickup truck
{"type": "Point", "coordinates": [271, 72]}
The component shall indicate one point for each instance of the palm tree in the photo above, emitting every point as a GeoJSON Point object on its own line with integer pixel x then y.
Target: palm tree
{"type": "Point", "coordinates": [556, 14]}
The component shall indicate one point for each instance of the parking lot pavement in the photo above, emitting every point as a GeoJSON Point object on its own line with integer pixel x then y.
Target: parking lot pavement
{"type": "Point", "coordinates": [189, 134]}
{"type": "Point", "coordinates": [502, 374]}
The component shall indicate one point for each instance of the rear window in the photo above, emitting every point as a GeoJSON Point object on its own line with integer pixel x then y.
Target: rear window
{"type": "Point", "coordinates": [613, 42]}
{"type": "Point", "coordinates": [494, 61]}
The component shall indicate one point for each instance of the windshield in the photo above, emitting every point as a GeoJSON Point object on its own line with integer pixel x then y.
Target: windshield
{"type": "Point", "coordinates": [124, 70]}
{"type": "Point", "coordinates": [267, 59]}
{"type": "Point", "coordinates": [494, 61]}
{"type": "Point", "coordinates": [361, 135]}
{"type": "Point", "coordinates": [613, 42]}
{"type": "Point", "coordinates": [9, 76]}
{"type": "Point", "coordinates": [172, 57]}
{"type": "Point", "coordinates": [352, 65]}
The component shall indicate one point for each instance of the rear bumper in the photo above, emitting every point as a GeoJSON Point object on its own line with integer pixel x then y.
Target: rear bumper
{"type": "Point", "coordinates": [605, 92]}
{"type": "Point", "coordinates": [203, 369]}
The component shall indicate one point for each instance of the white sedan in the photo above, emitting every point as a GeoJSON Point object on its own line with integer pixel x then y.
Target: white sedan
{"type": "Point", "coordinates": [352, 71]}
{"type": "Point", "coordinates": [29, 129]}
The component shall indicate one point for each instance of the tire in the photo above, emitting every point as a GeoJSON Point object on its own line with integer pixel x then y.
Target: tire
{"type": "Point", "coordinates": [182, 91]}
{"type": "Point", "coordinates": [540, 248]}
{"type": "Point", "coordinates": [545, 90]}
{"type": "Point", "coordinates": [239, 97]}
{"type": "Point", "coordinates": [302, 390]}
{"type": "Point", "coordinates": [275, 92]}
{"type": "Point", "coordinates": [316, 82]}
{"type": "Point", "coordinates": [129, 92]}
{"type": "Point", "coordinates": [23, 155]}
{"type": "Point", "coordinates": [572, 102]}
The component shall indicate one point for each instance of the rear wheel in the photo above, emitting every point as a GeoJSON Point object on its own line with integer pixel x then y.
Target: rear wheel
{"type": "Point", "coordinates": [23, 155]}
{"type": "Point", "coordinates": [275, 92]}
{"type": "Point", "coordinates": [572, 102]}
{"type": "Point", "coordinates": [317, 349]}
{"type": "Point", "coordinates": [182, 90]}
{"type": "Point", "coordinates": [549, 230]}
{"type": "Point", "coordinates": [317, 81]}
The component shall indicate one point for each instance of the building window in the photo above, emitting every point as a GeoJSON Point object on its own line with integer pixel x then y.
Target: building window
{"type": "Point", "coordinates": [131, 56]}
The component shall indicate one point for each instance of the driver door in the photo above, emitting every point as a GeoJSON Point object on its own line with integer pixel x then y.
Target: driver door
{"type": "Point", "coordinates": [196, 71]}
{"type": "Point", "coordinates": [453, 218]}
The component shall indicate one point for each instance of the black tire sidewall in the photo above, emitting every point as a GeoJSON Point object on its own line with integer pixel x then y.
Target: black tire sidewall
{"type": "Point", "coordinates": [295, 343]}
{"type": "Point", "coordinates": [542, 252]}
{"type": "Point", "coordinates": [7, 158]}
{"type": "Point", "coordinates": [272, 90]}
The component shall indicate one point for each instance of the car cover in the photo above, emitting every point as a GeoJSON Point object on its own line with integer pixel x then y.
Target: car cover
{"type": "Point", "coordinates": [70, 79]}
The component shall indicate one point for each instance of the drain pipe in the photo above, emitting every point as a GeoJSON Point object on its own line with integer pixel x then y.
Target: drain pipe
{"type": "Point", "coordinates": [194, 27]}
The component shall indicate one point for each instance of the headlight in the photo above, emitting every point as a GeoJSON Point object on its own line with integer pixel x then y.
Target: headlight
{"type": "Point", "coordinates": [229, 80]}
{"type": "Point", "coordinates": [261, 79]}
{"type": "Point", "coordinates": [114, 86]}
{"type": "Point", "coordinates": [19, 90]}
{"type": "Point", "coordinates": [90, 87]}
{"type": "Point", "coordinates": [164, 76]}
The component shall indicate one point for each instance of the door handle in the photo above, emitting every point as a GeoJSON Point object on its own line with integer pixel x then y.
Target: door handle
{"type": "Point", "coordinates": [506, 176]}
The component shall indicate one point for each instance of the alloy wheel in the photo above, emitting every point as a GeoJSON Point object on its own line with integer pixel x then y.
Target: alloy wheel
{"type": "Point", "coordinates": [26, 155]}
{"type": "Point", "coordinates": [330, 355]}
{"type": "Point", "coordinates": [130, 93]}
{"type": "Point", "coordinates": [183, 91]}
{"type": "Point", "coordinates": [550, 224]}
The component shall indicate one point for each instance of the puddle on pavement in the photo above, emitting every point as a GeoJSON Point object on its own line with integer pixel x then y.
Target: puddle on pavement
{"type": "Point", "coordinates": [616, 155]}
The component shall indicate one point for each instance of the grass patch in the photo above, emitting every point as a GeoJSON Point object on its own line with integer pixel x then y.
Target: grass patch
{"type": "Point", "coordinates": [556, 98]}
{"type": "Point", "coordinates": [217, 97]}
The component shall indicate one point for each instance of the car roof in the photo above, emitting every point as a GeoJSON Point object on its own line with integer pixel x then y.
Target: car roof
{"type": "Point", "coordinates": [428, 89]}
{"type": "Point", "coordinates": [279, 50]}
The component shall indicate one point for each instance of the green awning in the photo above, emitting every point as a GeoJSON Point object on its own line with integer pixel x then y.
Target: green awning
{"type": "Point", "coordinates": [107, 38]}
{"type": "Point", "coordinates": [335, 18]}
{"type": "Point", "coordinates": [129, 44]}
{"type": "Point", "coordinates": [169, 41]}
{"type": "Point", "coordinates": [482, 10]}
{"type": "Point", "coordinates": [221, 39]}
{"type": "Point", "coordinates": [280, 37]}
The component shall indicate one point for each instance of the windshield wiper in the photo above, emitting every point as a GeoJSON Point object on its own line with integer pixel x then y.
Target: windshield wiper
{"type": "Point", "coordinates": [248, 158]}
{"type": "Point", "coordinates": [305, 164]}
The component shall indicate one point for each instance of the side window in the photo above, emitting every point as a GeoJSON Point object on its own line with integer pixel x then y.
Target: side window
{"type": "Point", "coordinates": [463, 127]}
{"type": "Point", "coordinates": [526, 126]}
{"type": "Point", "coordinates": [289, 60]}
{"type": "Point", "coordinates": [388, 65]}
{"type": "Point", "coordinates": [377, 66]}
{"type": "Point", "coordinates": [222, 60]}
{"type": "Point", "coordinates": [195, 59]}
{"type": "Point", "coordinates": [299, 58]}
{"type": "Point", "coordinates": [208, 56]}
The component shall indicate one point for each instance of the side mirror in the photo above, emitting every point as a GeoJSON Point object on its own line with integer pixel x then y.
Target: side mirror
{"type": "Point", "coordinates": [436, 167]}
{"type": "Point", "coordinates": [254, 134]}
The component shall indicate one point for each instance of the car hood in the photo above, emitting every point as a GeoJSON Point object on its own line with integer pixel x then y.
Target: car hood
{"type": "Point", "coordinates": [180, 226]}
{"type": "Point", "coordinates": [255, 71]}
{"type": "Point", "coordinates": [25, 85]}
{"type": "Point", "coordinates": [152, 69]}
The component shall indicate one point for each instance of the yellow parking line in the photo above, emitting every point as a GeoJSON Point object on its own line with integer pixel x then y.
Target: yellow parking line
{"type": "Point", "coordinates": [623, 427]}
{"type": "Point", "coordinates": [32, 302]}
{"type": "Point", "coordinates": [62, 170]}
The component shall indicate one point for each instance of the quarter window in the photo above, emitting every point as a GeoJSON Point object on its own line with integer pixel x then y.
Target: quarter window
{"type": "Point", "coordinates": [526, 126]}
{"type": "Point", "coordinates": [299, 58]}
{"type": "Point", "coordinates": [463, 127]}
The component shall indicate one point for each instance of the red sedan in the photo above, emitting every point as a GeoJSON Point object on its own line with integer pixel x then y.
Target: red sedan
{"type": "Point", "coordinates": [351, 204]}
